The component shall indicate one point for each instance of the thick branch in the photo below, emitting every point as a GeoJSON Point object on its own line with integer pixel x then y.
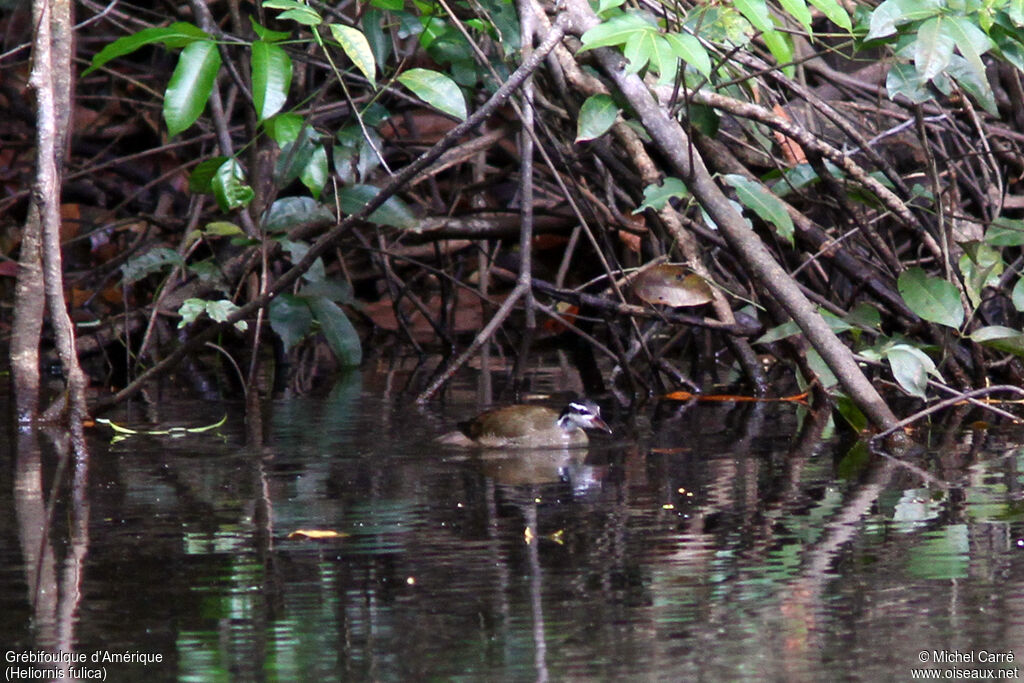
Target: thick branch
{"type": "Point", "coordinates": [675, 145]}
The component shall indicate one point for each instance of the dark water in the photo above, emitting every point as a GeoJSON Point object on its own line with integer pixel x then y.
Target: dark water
{"type": "Point", "coordinates": [703, 543]}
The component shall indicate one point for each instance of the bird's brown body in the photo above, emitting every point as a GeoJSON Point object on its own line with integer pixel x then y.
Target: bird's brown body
{"type": "Point", "coordinates": [529, 426]}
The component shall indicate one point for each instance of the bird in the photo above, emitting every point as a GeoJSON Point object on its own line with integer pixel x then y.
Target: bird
{"type": "Point", "coordinates": [530, 426]}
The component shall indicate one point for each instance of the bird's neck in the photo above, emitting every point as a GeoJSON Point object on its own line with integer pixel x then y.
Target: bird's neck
{"type": "Point", "coordinates": [566, 423]}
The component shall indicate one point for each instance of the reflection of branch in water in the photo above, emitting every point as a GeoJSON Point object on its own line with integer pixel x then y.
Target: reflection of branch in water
{"type": "Point", "coordinates": [54, 598]}
{"type": "Point", "coordinates": [957, 398]}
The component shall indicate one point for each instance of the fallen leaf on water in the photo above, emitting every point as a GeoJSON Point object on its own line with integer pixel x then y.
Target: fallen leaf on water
{"type": "Point", "coordinates": [317, 534]}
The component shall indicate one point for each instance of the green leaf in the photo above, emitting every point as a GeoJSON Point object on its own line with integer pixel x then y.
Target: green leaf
{"type": "Point", "coordinates": [756, 12]}
{"type": "Point", "coordinates": [379, 41]}
{"type": "Point", "coordinates": [892, 13]}
{"type": "Point", "coordinates": [222, 229]}
{"type": "Point", "coordinates": [910, 367]}
{"type": "Point", "coordinates": [355, 45]}
{"type": "Point", "coordinates": [341, 335]}
{"type": "Point", "coordinates": [283, 4]}
{"type": "Point", "coordinates": [974, 82]}
{"type": "Point", "coordinates": [905, 80]}
{"type": "Point", "coordinates": [655, 196]}
{"type": "Point", "coordinates": [1006, 232]}
{"type": "Point", "coordinates": [264, 33]}
{"type": "Point", "coordinates": [191, 309]}
{"type": "Point", "coordinates": [970, 40]}
{"type": "Point", "coordinates": [835, 12]}
{"type": "Point", "coordinates": [932, 298]}
{"type": "Point", "coordinates": [821, 369]}
{"type": "Point", "coordinates": [271, 78]}
{"type": "Point", "coordinates": [190, 85]}
{"type": "Point", "coordinates": [851, 413]}
{"type": "Point", "coordinates": [779, 332]}
{"type": "Point", "coordinates": [865, 315]}
{"type": "Point", "coordinates": [284, 128]}
{"type": "Point", "coordinates": [390, 5]}
{"type": "Point", "coordinates": [295, 156]}
{"type": "Point", "coordinates": [314, 174]}
{"type": "Point", "coordinates": [798, 10]}
{"type": "Point", "coordinates": [766, 205]}
{"type": "Point", "coordinates": [981, 265]}
{"type": "Point", "coordinates": [178, 34]}
{"type": "Point", "coordinates": [596, 116]}
{"type": "Point", "coordinates": [781, 46]}
{"type": "Point", "coordinates": [437, 90]}
{"type": "Point", "coordinates": [201, 178]}
{"type": "Point", "coordinates": [1017, 295]}
{"type": "Point", "coordinates": [229, 188]}
{"type": "Point", "coordinates": [663, 60]}
{"type": "Point", "coordinates": [290, 318]}
{"type": "Point", "coordinates": [296, 251]}
{"type": "Point", "coordinates": [394, 212]}
{"type": "Point", "coordinates": [639, 49]}
{"type": "Point", "coordinates": [616, 31]}
{"type": "Point", "coordinates": [289, 212]}
{"type": "Point", "coordinates": [152, 261]}
{"type": "Point", "coordinates": [222, 308]}
{"type": "Point", "coordinates": [933, 48]}
{"type": "Point", "coordinates": [306, 16]}
{"type": "Point", "coordinates": [605, 5]}
{"type": "Point", "coordinates": [1005, 339]}
{"type": "Point", "coordinates": [690, 50]}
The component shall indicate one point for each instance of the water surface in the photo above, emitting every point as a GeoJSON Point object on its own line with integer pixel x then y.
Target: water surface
{"type": "Point", "coordinates": [704, 542]}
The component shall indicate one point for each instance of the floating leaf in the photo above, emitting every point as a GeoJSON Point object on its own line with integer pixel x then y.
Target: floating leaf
{"type": "Point", "coordinates": [357, 48]}
{"type": "Point", "coordinates": [671, 285]}
{"type": "Point", "coordinates": [596, 116]}
{"type": "Point", "coordinates": [190, 85]}
{"type": "Point", "coordinates": [437, 90]}
{"type": "Point", "coordinates": [932, 298]}
{"type": "Point", "coordinates": [316, 534]}
{"type": "Point", "coordinates": [125, 432]}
